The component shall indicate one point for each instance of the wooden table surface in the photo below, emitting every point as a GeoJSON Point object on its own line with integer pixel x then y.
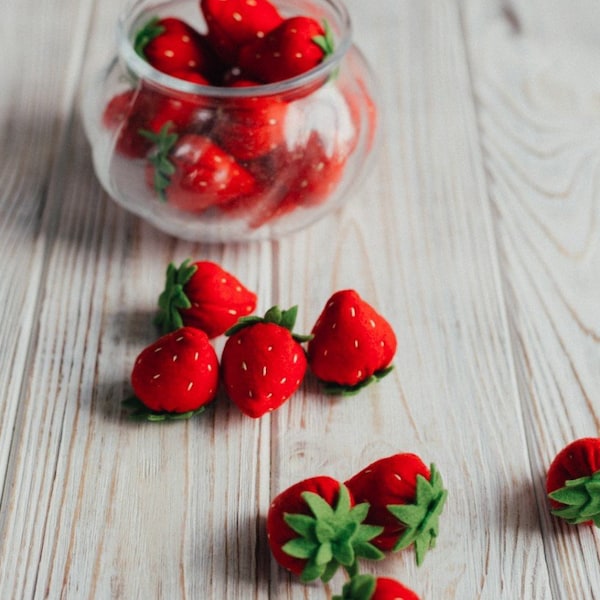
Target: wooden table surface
{"type": "Point", "coordinates": [476, 234]}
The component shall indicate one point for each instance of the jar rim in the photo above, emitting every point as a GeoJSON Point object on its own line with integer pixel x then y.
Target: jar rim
{"type": "Point", "coordinates": [144, 70]}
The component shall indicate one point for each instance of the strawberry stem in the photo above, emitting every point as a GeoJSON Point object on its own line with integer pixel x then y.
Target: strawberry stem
{"type": "Point", "coordinates": [140, 412]}
{"type": "Point", "coordinates": [164, 141]}
{"type": "Point", "coordinates": [360, 587]}
{"type": "Point", "coordinates": [331, 537]}
{"type": "Point", "coordinates": [283, 318]}
{"type": "Point", "coordinates": [146, 34]}
{"type": "Point", "coordinates": [173, 298]}
{"type": "Point", "coordinates": [581, 498]}
{"type": "Point", "coordinates": [326, 41]}
{"type": "Point", "coordinates": [421, 518]}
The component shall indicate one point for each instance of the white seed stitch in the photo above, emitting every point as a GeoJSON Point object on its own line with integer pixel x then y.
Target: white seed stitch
{"type": "Point", "coordinates": [174, 357]}
{"type": "Point", "coordinates": [190, 385]}
{"type": "Point", "coordinates": [276, 54]}
{"type": "Point", "coordinates": [304, 183]}
{"type": "Point", "coordinates": [250, 394]}
{"type": "Point", "coordinates": [356, 343]}
{"type": "Point", "coordinates": [295, 358]}
{"type": "Point", "coordinates": [298, 55]}
{"type": "Point", "coordinates": [237, 17]}
{"type": "Point", "coordinates": [331, 304]}
{"type": "Point", "coordinates": [196, 355]}
{"type": "Point", "coordinates": [158, 349]}
{"type": "Point", "coordinates": [195, 304]}
{"type": "Point", "coordinates": [320, 166]}
{"type": "Point", "coordinates": [372, 323]}
{"type": "Point", "coordinates": [269, 348]}
{"type": "Point", "coordinates": [264, 371]}
{"type": "Point", "coordinates": [283, 380]}
{"type": "Point", "coordinates": [238, 288]}
{"type": "Point", "coordinates": [333, 325]}
{"type": "Point", "coordinates": [397, 476]}
{"type": "Point", "coordinates": [269, 395]}
{"type": "Point", "coordinates": [352, 311]}
{"type": "Point", "coordinates": [209, 368]}
{"type": "Point", "coordinates": [272, 121]}
{"type": "Point", "coordinates": [218, 159]}
{"type": "Point", "coordinates": [260, 34]}
{"type": "Point", "coordinates": [203, 184]}
{"type": "Point", "coordinates": [232, 311]}
{"type": "Point", "coordinates": [169, 53]}
{"type": "Point", "coordinates": [251, 2]}
{"type": "Point", "coordinates": [359, 373]}
{"type": "Point", "coordinates": [239, 341]}
{"type": "Point", "coordinates": [156, 376]}
{"type": "Point", "coordinates": [185, 38]}
{"type": "Point", "coordinates": [325, 352]}
{"type": "Point", "coordinates": [244, 366]}
{"type": "Point", "coordinates": [179, 339]}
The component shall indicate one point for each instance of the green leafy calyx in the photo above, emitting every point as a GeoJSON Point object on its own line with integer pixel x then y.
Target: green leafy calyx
{"type": "Point", "coordinates": [163, 141]}
{"type": "Point", "coordinates": [421, 518]}
{"type": "Point", "coordinates": [331, 537]}
{"type": "Point", "coordinates": [339, 389]}
{"type": "Point", "coordinates": [174, 299]}
{"type": "Point", "coordinates": [359, 587]}
{"type": "Point", "coordinates": [283, 318]}
{"type": "Point", "coordinates": [140, 412]}
{"type": "Point", "coordinates": [326, 41]}
{"type": "Point", "coordinates": [146, 34]}
{"type": "Point", "coordinates": [581, 498]}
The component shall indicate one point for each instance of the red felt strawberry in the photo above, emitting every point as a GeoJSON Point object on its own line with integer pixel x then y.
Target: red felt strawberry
{"type": "Point", "coordinates": [352, 344]}
{"type": "Point", "coordinates": [263, 362]}
{"type": "Point", "coordinates": [253, 126]}
{"type": "Point", "coordinates": [173, 46]}
{"type": "Point", "coordinates": [368, 587]}
{"type": "Point", "coordinates": [234, 23]}
{"type": "Point", "coordinates": [175, 377]}
{"type": "Point", "coordinates": [192, 173]}
{"type": "Point", "coordinates": [294, 47]}
{"type": "Point", "coordinates": [406, 499]}
{"type": "Point", "coordinates": [573, 482]}
{"type": "Point", "coordinates": [314, 527]}
{"type": "Point", "coordinates": [202, 294]}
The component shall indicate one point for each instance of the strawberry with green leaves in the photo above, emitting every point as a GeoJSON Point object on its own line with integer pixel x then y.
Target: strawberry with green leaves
{"type": "Point", "coordinates": [175, 377]}
{"type": "Point", "coordinates": [263, 363]}
{"type": "Point", "coordinates": [295, 46]}
{"type": "Point", "coordinates": [314, 527]}
{"type": "Point", "coordinates": [202, 294]}
{"type": "Point", "coordinates": [368, 587]}
{"type": "Point", "coordinates": [406, 498]}
{"type": "Point", "coordinates": [175, 47]}
{"type": "Point", "coordinates": [352, 344]}
{"type": "Point", "coordinates": [192, 173]}
{"type": "Point", "coordinates": [233, 23]}
{"type": "Point", "coordinates": [573, 482]}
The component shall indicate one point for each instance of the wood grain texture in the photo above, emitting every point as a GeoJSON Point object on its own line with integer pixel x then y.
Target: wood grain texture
{"type": "Point", "coordinates": [535, 74]}
{"type": "Point", "coordinates": [475, 234]}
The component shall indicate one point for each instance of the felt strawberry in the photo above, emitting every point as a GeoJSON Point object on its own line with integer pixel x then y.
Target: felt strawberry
{"type": "Point", "coordinates": [314, 527]}
{"type": "Point", "coordinates": [253, 126]}
{"type": "Point", "coordinates": [368, 587]}
{"type": "Point", "coordinates": [192, 173]}
{"type": "Point", "coordinates": [352, 344]}
{"type": "Point", "coordinates": [294, 47]}
{"type": "Point", "coordinates": [263, 362]}
{"type": "Point", "coordinates": [233, 23]}
{"type": "Point", "coordinates": [175, 377]}
{"type": "Point", "coordinates": [173, 46]}
{"type": "Point", "coordinates": [573, 482]}
{"type": "Point", "coordinates": [202, 294]}
{"type": "Point", "coordinates": [406, 498]}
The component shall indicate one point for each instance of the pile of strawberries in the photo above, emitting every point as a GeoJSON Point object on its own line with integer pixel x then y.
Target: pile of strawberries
{"type": "Point", "coordinates": [320, 524]}
{"type": "Point", "coordinates": [263, 362]}
{"type": "Point", "coordinates": [254, 156]}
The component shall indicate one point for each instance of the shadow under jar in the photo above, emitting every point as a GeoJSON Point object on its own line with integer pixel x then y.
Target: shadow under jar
{"type": "Point", "coordinates": [231, 161]}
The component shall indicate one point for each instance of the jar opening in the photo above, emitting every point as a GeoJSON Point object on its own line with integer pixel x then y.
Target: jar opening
{"type": "Point", "coordinates": [141, 11]}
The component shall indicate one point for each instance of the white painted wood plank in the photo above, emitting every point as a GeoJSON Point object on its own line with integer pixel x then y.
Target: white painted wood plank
{"type": "Point", "coordinates": [535, 69]}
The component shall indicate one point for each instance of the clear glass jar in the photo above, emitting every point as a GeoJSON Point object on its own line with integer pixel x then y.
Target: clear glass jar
{"type": "Point", "coordinates": [287, 152]}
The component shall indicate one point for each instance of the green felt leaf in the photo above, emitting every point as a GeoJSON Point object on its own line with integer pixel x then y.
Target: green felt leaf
{"type": "Point", "coordinates": [163, 141]}
{"type": "Point", "coordinates": [580, 499]}
{"type": "Point", "coordinates": [146, 34]}
{"type": "Point", "coordinates": [359, 587]}
{"type": "Point", "coordinates": [138, 411]}
{"type": "Point", "coordinates": [421, 518]}
{"type": "Point", "coordinates": [302, 524]}
{"type": "Point", "coordinates": [283, 318]}
{"type": "Point", "coordinates": [326, 41]}
{"type": "Point", "coordinates": [336, 389]}
{"type": "Point", "coordinates": [301, 548]}
{"type": "Point", "coordinates": [334, 536]}
{"type": "Point", "coordinates": [173, 298]}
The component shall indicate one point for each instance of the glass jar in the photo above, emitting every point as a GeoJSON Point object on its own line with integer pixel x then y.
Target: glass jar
{"type": "Point", "coordinates": [226, 163]}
